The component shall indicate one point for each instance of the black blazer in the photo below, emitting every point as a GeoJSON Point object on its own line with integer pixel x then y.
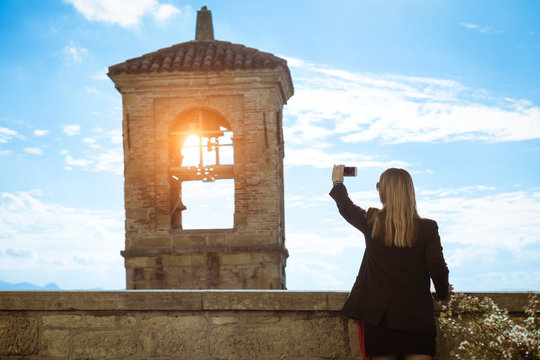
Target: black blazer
{"type": "Point", "coordinates": [394, 281]}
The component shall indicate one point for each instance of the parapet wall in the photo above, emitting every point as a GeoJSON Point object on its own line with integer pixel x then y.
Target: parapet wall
{"type": "Point", "coordinates": [180, 324]}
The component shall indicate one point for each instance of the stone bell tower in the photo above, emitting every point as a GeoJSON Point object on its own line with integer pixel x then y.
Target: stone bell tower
{"type": "Point", "coordinates": [203, 111]}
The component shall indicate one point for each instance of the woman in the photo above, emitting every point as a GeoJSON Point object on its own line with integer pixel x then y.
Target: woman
{"type": "Point", "coordinates": [391, 295]}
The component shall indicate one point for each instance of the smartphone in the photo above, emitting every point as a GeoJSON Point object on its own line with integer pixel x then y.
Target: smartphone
{"type": "Point", "coordinates": [349, 171]}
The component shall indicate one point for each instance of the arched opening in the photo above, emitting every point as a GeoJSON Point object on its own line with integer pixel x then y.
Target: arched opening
{"type": "Point", "coordinates": [201, 151]}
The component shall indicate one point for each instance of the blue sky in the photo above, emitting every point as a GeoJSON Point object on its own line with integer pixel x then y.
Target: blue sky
{"type": "Point", "coordinates": [450, 90]}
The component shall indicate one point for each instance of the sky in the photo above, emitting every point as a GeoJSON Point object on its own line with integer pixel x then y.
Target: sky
{"type": "Point", "coordinates": [448, 89]}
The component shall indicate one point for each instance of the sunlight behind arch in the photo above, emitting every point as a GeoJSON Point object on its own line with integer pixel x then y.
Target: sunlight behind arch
{"type": "Point", "coordinates": [190, 151]}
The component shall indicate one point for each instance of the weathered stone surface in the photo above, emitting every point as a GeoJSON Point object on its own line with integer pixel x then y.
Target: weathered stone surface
{"type": "Point", "coordinates": [138, 213]}
{"type": "Point", "coordinates": [235, 259]}
{"type": "Point", "coordinates": [221, 320]}
{"type": "Point", "coordinates": [266, 300]}
{"type": "Point", "coordinates": [127, 321]}
{"type": "Point", "coordinates": [190, 300]}
{"type": "Point", "coordinates": [163, 221]}
{"type": "Point", "coordinates": [55, 343]}
{"type": "Point", "coordinates": [180, 336]}
{"type": "Point", "coordinates": [237, 342]}
{"type": "Point", "coordinates": [18, 335]}
{"type": "Point", "coordinates": [189, 259]}
{"type": "Point", "coordinates": [336, 299]}
{"type": "Point", "coordinates": [260, 317]}
{"type": "Point", "coordinates": [321, 337]}
{"type": "Point", "coordinates": [175, 331]}
{"type": "Point", "coordinates": [79, 321]}
{"type": "Point", "coordinates": [107, 344]}
{"type": "Point", "coordinates": [354, 340]}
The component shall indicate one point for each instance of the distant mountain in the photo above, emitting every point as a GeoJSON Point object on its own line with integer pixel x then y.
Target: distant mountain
{"type": "Point", "coordinates": [27, 286]}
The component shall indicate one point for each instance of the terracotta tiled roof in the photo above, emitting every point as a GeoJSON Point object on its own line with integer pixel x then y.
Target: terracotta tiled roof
{"type": "Point", "coordinates": [199, 56]}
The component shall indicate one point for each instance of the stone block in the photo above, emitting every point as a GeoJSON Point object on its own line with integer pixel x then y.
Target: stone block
{"type": "Point", "coordinates": [163, 221]}
{"type": "Point", "coordinates": [354, 341]}
{"type": "Point", "coordinates": [18, 335]}
{"type": "Point", "coordinates": [223, 319]}
{"type": "Point", "coordinates": [191, 260]}
{"type": "Point", "coordinates": [252, 239]}
{"type": "Point", "coordinates": [140, 261]}
{"type": "Point", "coordinates": [320, 337]}
{"type": "Point", "coordinates": [336, 300]}
{"type": "Point", "coordinates": [162, 145]}
{"type": "Point", "coordinates": [109, 344]}
{"type": "Point", "coordinates": [269, 300]}
{"type": "Point", "coordinates": [138, 213]}
{"type": "Point", "coordinates": [260, 317]}
{"type": "Point", "coordinates": [179, 241]}
{"type": "Point", "coordinates": [267, 257]}
{"type": "Point", "coordinates": [182, 336]}
{"type": "Point", "coordinates": [241, 342]}
{"type": "Point", "coordinates": [240, 219]}
{"type": "Point", "coordinates": [78, 321]}
{"type": "Point", "coordinates": [127, 321]}
{"type": "Point", "coordinates": [236, 259]}
{"type": "Point", "coordinates": [263, 283]}
{"type": "Point", "coordinates": [130, 99]}
{"type": "Point", "coordinates": [188, 273]}
{"type": "Point", "coordinates": [268, 271]}
{"type": "Point", "coordinates": [155, 241]}
{"type": "Point", "coordinates": [55, 343]}
{"type": "Point", "coordinates": [266, 100]}
{"type": "Point", "coordinates": [217, 240]}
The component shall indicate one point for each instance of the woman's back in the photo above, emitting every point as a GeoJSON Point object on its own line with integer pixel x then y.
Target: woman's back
{"type": "Point", "coordinates": [391, 294]}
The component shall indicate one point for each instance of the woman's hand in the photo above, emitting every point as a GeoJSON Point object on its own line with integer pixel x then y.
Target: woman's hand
{"type": "Point", "coordinates": [337, 173]}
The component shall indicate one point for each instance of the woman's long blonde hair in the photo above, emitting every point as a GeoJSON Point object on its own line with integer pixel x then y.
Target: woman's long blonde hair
{"type": "Point", "coordinates": [396, 222]}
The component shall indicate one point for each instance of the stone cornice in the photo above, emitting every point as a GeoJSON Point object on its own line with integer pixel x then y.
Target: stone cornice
{"type": "Point", "coordinates": [203, 300]}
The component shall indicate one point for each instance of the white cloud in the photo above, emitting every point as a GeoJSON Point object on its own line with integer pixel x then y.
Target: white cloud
{"type": "Point", "coordinates": [115, 136]}
{"type": "Point", "coordinates": [501, 280]}
{"type": "Point", "coordinates": [396, 109]}
{"type": "Point", "coordinates": [5, 152]}
{"type": "Point", "coordinates": [447, 192]}
{"type": "Point", "coordinates": [505, 220]}
{"type": "Point", "coordinates": [111, 160]}
{"type": "Point", "coordinates": [74, 52]}
{"type": "Point", "coordinates": [108, 160]}
{"type": "Point", "coordinates": [72, 129]}
{"type": "Point", "coordinates": [303, 270]}
{"type": "Point", "coordinates": [92, 90]}
{"type": "Point", "coordinates": [7, 134]}
{"type": "Point", "coordinates": [34, 150]}
{"type": "Point", "coordinates": [123, 12]}
{"type": "Point", "coordinates": [46, 242]}
{"type": "Point", "coordinates": [39, 132]}
{"type": "Point", "coordinates": [100, 75]}
{"type": "Point", "coordinates": [482, 29]}
{"type": "Point", "coordinates": [92, 143]}
{"type": "Point", "coordinates": [71, 161]}
{"type": "Point", "coordinates": [106, 154]}
{"type": "Point", "coordinates": [165, 11]}
{"type": "Point", "coordinates": [310, 156]}
{"type": "Point", "coordinates": [469, 26]}
{"type": "Point", "coordinates": [322, 243]}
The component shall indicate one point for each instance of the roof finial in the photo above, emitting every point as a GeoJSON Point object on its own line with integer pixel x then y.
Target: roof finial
{"type": "Point", "coordinates": [205, 29]}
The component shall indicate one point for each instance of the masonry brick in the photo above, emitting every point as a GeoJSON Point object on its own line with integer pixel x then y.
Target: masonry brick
{"type": "Point", "coordinates": [159, 97]}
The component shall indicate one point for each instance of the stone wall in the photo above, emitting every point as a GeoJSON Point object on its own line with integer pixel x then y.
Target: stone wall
{"type": "Point", "coordinates": [177, 324]}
